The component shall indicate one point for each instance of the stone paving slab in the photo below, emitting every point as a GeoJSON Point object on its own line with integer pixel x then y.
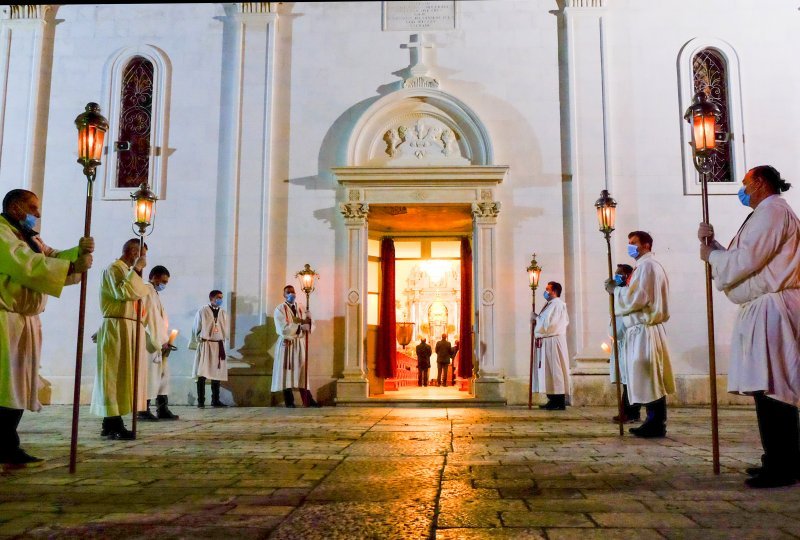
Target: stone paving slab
{"type": "Point", "coordinates": [360, 472]}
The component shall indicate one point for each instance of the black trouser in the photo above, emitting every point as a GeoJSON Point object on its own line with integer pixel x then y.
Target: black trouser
{"type": "Point", "coordinates": [422, 376]}
{"type": "Point", "coordinates": [657, 412]}
{"type": "Point", "coordinates": [9, 421]}
{"type": "Point", "coordinates": [630, 410]}
{"type": "Point", "coordinates": [201, 390]}
{"type": "Point", "coordinates": [779, 427]}
{"type": "Point", "coordinates": [441, 374]}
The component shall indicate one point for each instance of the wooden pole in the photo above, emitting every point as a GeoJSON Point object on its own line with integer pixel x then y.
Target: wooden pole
{"type": "Point", "coordinates": [136, 351]}
{"type": "Point", "coordinates": [712, 361]}
{"type": "Point", "coordinates": [612, 310]}
{"type": "Point", "coordinates": [533, 341]}
{"type": "Point", "coordinates": [76, 395]}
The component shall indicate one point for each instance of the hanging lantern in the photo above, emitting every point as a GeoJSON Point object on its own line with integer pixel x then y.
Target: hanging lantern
{"type": "Point", "coordinates": [606, 212]}
{"type": "Point", "coordinates": [144, 207]}
{"type": "Point", "coordinates": [702, 115]}
{"type": "Point", "coordinates": [92, 127]}
{"type": "Point", "coordinates": [534, 272]}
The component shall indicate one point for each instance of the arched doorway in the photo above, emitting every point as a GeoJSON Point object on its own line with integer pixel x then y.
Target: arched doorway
{"type": "Point", "coordinates": [418, 147]}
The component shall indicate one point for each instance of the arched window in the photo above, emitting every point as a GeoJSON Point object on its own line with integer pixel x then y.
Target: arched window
{"type": "Point", "coordinates": [135, 117]}
{"type": "Point", "coordinates": [710, 76]}
{"type": "Point", "coordinates": [711, 66]}
{"type": "Point", "coordinates": [138, 108]}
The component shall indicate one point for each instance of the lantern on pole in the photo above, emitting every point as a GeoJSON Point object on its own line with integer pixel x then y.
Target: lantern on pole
{"type": "Point", "coordinates": [606, 217]}
{"type": "Point", "coordinates": [534, 272]}
{"type": "Point", "coordinates": [702, 115]}
{"type": "Point", "coordinates": [92, 127]}
{"type": "Point", "coordinates": [308, 282]}
{"type": "Point", "coordinates": [144, 211]}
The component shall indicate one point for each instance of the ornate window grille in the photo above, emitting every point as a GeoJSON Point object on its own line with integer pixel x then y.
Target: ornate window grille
{"type": "Point", "coordinates": [135, 123]}
{"type": "Point", "coordinates": [710, 75]}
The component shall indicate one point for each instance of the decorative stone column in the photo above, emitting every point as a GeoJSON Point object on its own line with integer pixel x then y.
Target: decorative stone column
{"type": "Point", "coordinates": [353, 384]}
{"type": "Point", "coordinates": [26, 45]}
{"type": "Point", "coordinates": [246, 168]}
{"type": "Point", "coordinates": [489, 385]}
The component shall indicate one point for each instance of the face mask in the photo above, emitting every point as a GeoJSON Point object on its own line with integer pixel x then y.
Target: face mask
{"type": "Point", "coordinates": [29, 222]}
{"type": "Point", "coordinates": [548, 296]}
{"type": "Point", "coordinates": [218, 302]}
{"type": "Point", "coordinates": [744, 198]}
{"type": "Point", "coordinates": [633, 251]}
{"type": "Point", "coordinates": [290, 298]}
{"type": "Point", "coordinates": [160, 287]}
{"type": "Point", "coordinates": [619, 280]}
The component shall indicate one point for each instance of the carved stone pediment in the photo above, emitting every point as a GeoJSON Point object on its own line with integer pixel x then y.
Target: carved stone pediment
{"type": "Point", "coordinates": [419, 140]}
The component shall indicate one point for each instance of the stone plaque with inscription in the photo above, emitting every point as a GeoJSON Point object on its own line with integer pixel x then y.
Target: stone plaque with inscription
{"type": "Point", "coordinates": [424, 16]}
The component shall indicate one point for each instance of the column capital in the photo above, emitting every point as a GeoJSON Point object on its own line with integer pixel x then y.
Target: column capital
{"type": "Point", "coordinates": [485, 211]}
{"type": "Point", "coordinates": [355, 213]}
{"type": "Point", "coordinates": [253, 12]}
{"type": "Point", "coordinates": [26, 12]}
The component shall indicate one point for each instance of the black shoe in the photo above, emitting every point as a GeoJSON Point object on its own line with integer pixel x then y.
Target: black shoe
{"type": "Point", "coordinates": [217, 404]}
{"type": "Point", "coordinates": [765, 480]}
{"type": "Point", "coordinates": [757, 471]}
{"type": "Point", "coordinates": [18, 456]}
{"type": "Point", "coordinates": [121, 434]}
{"type": "Point", "coordinates": [555, 407]}
{"type": "Point", "coordinates": [147, 416]}
{"type": "Point", "coordinates": [201, 404]}
{"type": "Point", "coordinates": [166, 414]}
{"type": "Point", "coordinates": [649, 431]}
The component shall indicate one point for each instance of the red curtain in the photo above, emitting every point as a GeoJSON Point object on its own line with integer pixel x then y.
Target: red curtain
{"type": "Point", "coordinates": [386, 362]}
{"type": "Point", "coordinates": [465, 328]}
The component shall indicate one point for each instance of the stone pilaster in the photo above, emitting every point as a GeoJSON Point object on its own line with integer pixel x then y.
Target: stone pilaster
{"type": "Point", "coordinates": [353, 383]}
{"type": "Point", "coordinates": [489, 385]}
{"type": "Point", "coordinates": [26, 44]}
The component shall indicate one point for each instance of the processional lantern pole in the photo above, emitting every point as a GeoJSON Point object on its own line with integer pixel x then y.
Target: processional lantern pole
{"type": "Point", "coordinates": [606, 216]}
{"type": "Point", "coordinates": [92, 127]}
{"type": "Point", "coordinates": [702, 115]}
{"type": "Point", "coordinates": [144, 208]}
{"type": "Point", "coordinates": [308, 282]}
{"type": "Point", "coordinates": [534, 272]}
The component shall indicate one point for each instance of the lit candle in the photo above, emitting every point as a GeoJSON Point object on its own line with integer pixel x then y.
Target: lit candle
{"type": "Point", "coordinates": [172, 336]}
{"type": "Point", "coordinates": [605, 347]}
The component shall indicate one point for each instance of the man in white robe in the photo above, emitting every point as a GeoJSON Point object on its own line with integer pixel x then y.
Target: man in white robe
{"type": "Point", "coordinates": [644, 307]}
{"type": "Point", "coordinates": [630, 412]}
{"type": "Point", "coordinates": [209, 333]}
{"type": "Point", "coordinates": [29, 272]}
{"type": "Point", "coordinates": [551, 358]}
{"type": "Point", "coordinates": [289, 370]}
{"type": "Point", "coordinates": [121, 287]}
{"type": "Point", "coordinates": [158, 347]}
{"type": "Point", "coordinates": [760, 273]}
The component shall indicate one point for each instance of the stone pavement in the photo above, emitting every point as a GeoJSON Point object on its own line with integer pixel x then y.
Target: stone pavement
{"type": "Point", "coordinates": [393, 473]}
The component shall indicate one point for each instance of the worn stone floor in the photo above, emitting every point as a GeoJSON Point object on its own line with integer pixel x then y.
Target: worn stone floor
{"type": "Point", "coordinates": [401, 473]}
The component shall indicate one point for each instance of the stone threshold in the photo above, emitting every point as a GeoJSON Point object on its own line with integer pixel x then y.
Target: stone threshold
{"type": "Point", "coordinates": [420, 403]}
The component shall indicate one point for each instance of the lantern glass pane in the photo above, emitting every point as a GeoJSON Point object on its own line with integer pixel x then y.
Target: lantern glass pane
{"type": "Point", "coordinates": [709, 130]}
{"type": "Point", "coordinates": [710, 74]}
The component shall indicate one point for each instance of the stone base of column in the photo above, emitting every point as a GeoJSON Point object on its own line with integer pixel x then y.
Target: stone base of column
{"type": "Point", "coordinates": [490, 390]}
{"type": "Point", "coordinates": [351, 390]}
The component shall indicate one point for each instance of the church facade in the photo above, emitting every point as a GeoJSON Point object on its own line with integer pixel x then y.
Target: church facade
{"type": "Point", "coordinates": [281, 134]}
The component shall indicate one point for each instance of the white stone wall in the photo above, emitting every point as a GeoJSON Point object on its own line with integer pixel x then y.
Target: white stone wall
{"type": "Point", "coordinates": [332, 60]}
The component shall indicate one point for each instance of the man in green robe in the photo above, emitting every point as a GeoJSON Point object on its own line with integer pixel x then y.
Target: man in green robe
{"type": "Point", "coordinates": [29, 272]}
{"type": "Point", "coordinates": [120, 289]}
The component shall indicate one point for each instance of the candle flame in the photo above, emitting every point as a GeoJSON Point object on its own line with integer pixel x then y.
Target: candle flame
{"type": "Point", "coordinates": [172, 336]}
{"type": "Point", "coordinates": [606, 347]}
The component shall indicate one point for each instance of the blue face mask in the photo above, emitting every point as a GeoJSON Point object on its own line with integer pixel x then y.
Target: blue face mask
{"type": "Point", "coordinates": [218, 302]}
{"type": "Point", "coordinates": [619, 280]}
{"type": "Point", "coordinates": [548, 296]}
{"type": "Point", "coordinates": [744, 198]}
{"type": "Point", "coordinates": [29, 222]}
{"type": "Point", "coordinates": [160, 287]}
{"type": "Point", "coordinates": [633, 251]}
{"type": "Point", "coordinates": [290, 298]}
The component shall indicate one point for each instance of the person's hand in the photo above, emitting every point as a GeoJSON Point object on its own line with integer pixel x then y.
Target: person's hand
{"type": "Point", "coordinates": [610, 286]}
{"type": "Point", "coordinates": [165, 347]}
{"type": "Point", "coordinates": [140, 263]}
{"type": "Point", "coordinates": [305, 327]}
{"type": "Point", "coordinates": [82, 263]}
{"type": "Point", "coordinates": [705, 233]}
{"type": "Point", "coordinates": [534, 316]}
{"type": "Point", "coordinates": [85, 245]}
{"type": "Point", "coordinates": [705, 251]}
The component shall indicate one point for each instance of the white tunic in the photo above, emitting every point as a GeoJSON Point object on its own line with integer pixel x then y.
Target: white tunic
{"type": "Point", "coordinates": [644, 306]}
{"type": "Point", "coordinates": [551, 358]}
{"type": "Point", "coordinates": [623, 366]}
{"type": "Point", "coordinates": [208, 335]}
{"type": "Point", "coordinates": [760, 271]}
{"type": "Point", "coordinates": [289, 366]}
{"type": "Point", "coordinates": [120, 288]}
{"type": "Point", "coordinates": [157, 329]}
{"type": "Point", "coordinates": [26, 278]}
